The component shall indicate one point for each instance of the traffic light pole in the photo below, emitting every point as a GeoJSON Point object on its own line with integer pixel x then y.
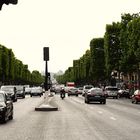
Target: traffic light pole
{"type": "Point", "coordinates": [46, 77]}
{"type": "Point", "coordinates": [46, 58]}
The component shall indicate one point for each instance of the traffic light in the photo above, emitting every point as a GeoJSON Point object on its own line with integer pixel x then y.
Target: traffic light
{"type": "Point", "coordinates": [7, 2]}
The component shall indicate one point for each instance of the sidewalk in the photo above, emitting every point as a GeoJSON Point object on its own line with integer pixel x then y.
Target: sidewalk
{"type": "Point", "coordinates": [48, 103]}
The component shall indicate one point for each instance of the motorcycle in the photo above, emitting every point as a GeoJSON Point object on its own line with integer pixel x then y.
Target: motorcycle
{"type": "Point", "coordinates": [62, 95]}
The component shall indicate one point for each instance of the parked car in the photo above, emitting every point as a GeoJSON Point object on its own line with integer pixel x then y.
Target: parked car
{"type": "Point", "coordinates": [111, 91]}
{"type": "Point", "coordinates": [86, 88]}
{"type": "Point", "coordinates": [95, 95]}
{"type": "Point", "coordinates": [136, 97]}
{"type": "Point", "coordinates": [10, 91]}
{"type": "Point", "coordinates": [6, 107]}
{"type": "Point", "coordinates": [36, 92]}
{"type": "Point", "coordinates": [73, 91]}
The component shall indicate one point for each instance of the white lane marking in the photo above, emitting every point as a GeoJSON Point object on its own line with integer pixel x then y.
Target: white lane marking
{"type": "Point", "coordinates": [113, 118]}
{"type": "Point", "coordinates": [100, 112]}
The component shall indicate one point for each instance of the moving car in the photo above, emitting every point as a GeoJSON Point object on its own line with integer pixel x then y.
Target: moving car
{"type": "Point", "coordinates": [124, 93]}
{"type": "Point", "coordinates": [95, 95]}
{"type": "Point", "coordinates": [36, 92]}
{"type": "Point", "coordinates": [136, 97]}
{"type": "Point", "coordinates": [73, 91]}
{"type": "Point", "coordinates": [80, 90]}
{"type": "Point", "coordinates": [27, 90]}
{"type": "Point", "coordinates": [111, 91]}
{"type": "Point", "coordinates": [10, 91]}
{"type": "Point", "coordinates": [6, 107]}
{"type": "Point", "coordinates": [86, 88]}
{"type": "Point", "coordinates": [20, 91]}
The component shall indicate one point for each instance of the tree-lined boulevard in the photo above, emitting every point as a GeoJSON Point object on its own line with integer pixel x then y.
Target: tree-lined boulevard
{"type": "Point", "coordinates": [117, 120]}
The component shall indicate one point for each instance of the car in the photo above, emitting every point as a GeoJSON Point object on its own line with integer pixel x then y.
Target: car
{"type": "Point", "coordinates": [80, 90]}
{"type": "Point", "coordinates": [27, 90]}
{"type": "Point", "coordinates": [73, 91]}
{"type": "Point", "coordinates": [10, 91]}
{"type": "Point", "coordinates": [136, 97]}
{"type": "Point", "coordinates": [20, 91]}
{"type": "Point", "coordinates": [95, 95]}
{"type": "Point", "coordinates": [6, 107]}
{"type": "Point", "coordinates": [111, 91]}
{"type": "Point", "coordinates": [124, 93]}
{"type": "Point", "coordinates": [86, 88]}
{"type": "Point", "coordinates": [57, 89]}
{"type": "Point", "coordinates": [36, 92]}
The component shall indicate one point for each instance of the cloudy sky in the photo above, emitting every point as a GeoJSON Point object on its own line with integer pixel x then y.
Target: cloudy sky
{"type": "Point", "coordinates": [65, 26]}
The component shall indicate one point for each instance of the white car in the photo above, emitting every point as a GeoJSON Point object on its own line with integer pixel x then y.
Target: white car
{"type": "Point", "coordinates": [36, 92]}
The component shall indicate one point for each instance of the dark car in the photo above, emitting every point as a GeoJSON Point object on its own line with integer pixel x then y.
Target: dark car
{"type": "Point", "coordinates": [10, 91]}
{"type": "Point", "coordinates": [95, 95]}
{"type": "Point", "coordinates": [20, 91]}
{"type": "Point", "coordinates": [136, 97]}
{"type": "Point", "coordinates": [6, 107]}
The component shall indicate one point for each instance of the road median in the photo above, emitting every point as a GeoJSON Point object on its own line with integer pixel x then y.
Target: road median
{"type": "Point", "coordinates": [48, 103]}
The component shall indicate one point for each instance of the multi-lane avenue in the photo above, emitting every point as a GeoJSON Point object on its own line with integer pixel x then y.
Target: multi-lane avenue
{"type": "Point", "coordinates": [118, 119]}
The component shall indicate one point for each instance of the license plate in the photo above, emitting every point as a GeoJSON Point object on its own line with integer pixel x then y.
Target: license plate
{"type": "Point", "coordinates": [97, 96]}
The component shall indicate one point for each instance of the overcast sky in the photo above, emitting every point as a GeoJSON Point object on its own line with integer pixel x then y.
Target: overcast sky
{"type": "Point", "coordinates": [65, 26]}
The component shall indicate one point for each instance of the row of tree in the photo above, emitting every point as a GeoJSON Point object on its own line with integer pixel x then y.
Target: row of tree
{"type": "Point", "coordinates": [13, 71]}
{"type": "Point", "coordinates": [118, 50]}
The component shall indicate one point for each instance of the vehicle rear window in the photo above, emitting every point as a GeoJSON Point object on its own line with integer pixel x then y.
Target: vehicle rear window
{"type": "Point", "coordinates": [89, 87]}
{"type": "Point", "coordinates": [112, 89]}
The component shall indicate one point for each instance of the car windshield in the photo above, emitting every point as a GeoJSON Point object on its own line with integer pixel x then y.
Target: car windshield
{"type": "Point", "coordinates": [1, 97]}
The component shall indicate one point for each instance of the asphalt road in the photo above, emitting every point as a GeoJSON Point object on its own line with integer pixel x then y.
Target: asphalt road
{"type": "Point", "coordinates": [119, 119]}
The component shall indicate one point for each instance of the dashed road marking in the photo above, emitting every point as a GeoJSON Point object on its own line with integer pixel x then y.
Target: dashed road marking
{"type": "Point", "coordinates": [100, 112]}
{"type": "Point", "coordinates": [113, 118]}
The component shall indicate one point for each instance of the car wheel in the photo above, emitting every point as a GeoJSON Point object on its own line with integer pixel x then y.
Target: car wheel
{"type": "Point", "coordinates": [4, 120]}
{"type": "Point", "coordinates": [104, 102]}
{"type": "Point", "coordinates": [31, 95]}
{"type": "Point", "coordinates": [135, 101]}
{"type": "Point", "coordinates": [11, 116]}
{"type": "Point", "coordinates": [15, 100]}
